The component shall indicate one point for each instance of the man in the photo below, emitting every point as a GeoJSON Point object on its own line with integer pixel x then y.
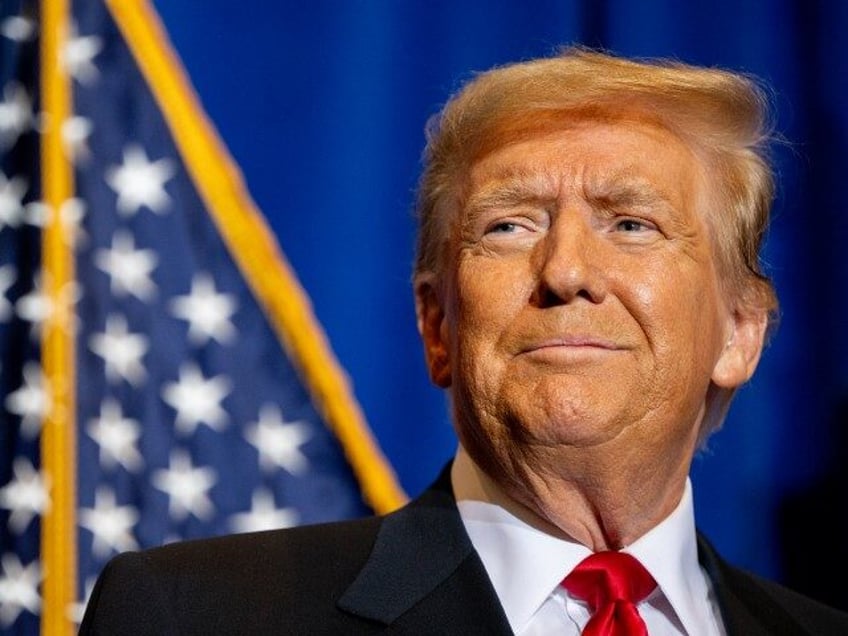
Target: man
{"type": "Point", "coordinates": [588, 292]}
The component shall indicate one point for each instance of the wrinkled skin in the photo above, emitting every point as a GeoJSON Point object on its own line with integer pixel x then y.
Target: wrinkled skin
{"type": "Point", "coordinates": [580, 322]}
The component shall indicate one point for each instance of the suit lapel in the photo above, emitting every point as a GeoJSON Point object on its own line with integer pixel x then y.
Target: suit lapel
{"type": "Point", "coordinates": [745, 609]}
{"type": "Point", "coordinates": [423, 571]}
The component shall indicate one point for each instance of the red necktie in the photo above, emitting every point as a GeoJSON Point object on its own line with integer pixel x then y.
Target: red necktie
{"type": "Point", "coordinates": [611, 583]}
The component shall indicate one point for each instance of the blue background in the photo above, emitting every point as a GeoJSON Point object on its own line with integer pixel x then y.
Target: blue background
{"type": "Point", "coordinates": [323, 104]}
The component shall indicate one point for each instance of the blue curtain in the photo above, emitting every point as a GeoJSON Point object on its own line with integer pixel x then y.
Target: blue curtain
{"type": "Point", "coordinates": [323, 106]}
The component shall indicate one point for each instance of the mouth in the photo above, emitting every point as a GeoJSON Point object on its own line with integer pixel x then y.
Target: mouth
{"type": "Point", "coordinates": [574, 342]}
{"type": "Point", "coordinates": [566, 352]}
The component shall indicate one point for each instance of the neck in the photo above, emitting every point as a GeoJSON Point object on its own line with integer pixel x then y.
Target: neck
{"type": "Point", "coordinates": [606, 508]}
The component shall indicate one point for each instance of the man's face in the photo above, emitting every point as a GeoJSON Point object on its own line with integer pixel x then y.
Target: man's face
{"type": "Point", "coordinates": [580, 302]}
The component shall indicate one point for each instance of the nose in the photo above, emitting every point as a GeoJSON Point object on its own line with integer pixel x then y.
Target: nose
{"type": "Point", "coordinates": [569, 263]}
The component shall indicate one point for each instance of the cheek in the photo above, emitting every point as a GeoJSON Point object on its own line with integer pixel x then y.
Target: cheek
{"type": "Point", "coordinates": [670, 295]}
{"type": "Point", "coordinates": [489, 299]}
{"type": "Point", "coordinates": [679, 311]}
{"type": "Point", "coordinates": [490, 296]}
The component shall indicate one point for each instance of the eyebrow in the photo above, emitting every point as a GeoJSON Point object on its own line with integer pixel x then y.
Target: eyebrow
{"type": "Point", "coordinates": [510, 189]}
{"type": "Point", "coordinates": [627, 192]}
{"type": "Point", "coordinates": [514, 187]}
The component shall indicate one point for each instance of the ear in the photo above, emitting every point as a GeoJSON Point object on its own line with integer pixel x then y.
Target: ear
{"type": "Point", "coordinates": [430, 312]}
{"type": "Point", "coordinates": [742, 350]}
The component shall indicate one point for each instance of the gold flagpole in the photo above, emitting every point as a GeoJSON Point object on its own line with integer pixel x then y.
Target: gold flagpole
{"type": "Point", "coordinates": [58, 439]}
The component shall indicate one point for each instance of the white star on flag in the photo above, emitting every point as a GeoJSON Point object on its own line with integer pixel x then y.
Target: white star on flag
{"type": "Point", "coordinates": [37, 307]}
{"type": "Point", "coordinates": [263, 514]}
{"type": "Point", "coordinates": [17, 28]}
{"type": "Point", "coordinates": [31, 401]}
{"type": "Point", "coordinates": [129, 269]}
{"type": "Point", "coordinates": [186, 486]}
{"type": "Point", "coordinates": [207, 312]}
{"type": "Point", "coordinates": [138, 182]}
{"type": "Point", "coordinates": [15, 114]}
{"type": "Point", "coordinates": [121, 351]}
{"type": "Point", "coordinates": [71, 214]}
{"type": "Point", "coordinates": [26, 495]}
{"type": "Point", "coordinates": [78, 53]}
{"type": "Point", "coordinates": [197, 399]}
{"type": "Point", "coordinates": [18, 589]}
{"type": "Point", "coordinates": [110, 524]}
{"type": "Point", "coordinates": [278, 441]}
{"type": "Point", "coordinates": [117, 437]}
{"type": "Point", "coordinates": [8, 276]}
{"type": "Point", "coordinates": [75, 134]}
{"type": "Point", "coordinates": [37, 213]}
{"type": "Point", "coordinates": [12, 193]}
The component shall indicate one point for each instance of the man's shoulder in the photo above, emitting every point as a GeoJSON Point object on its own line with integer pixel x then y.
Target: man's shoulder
{"type": "Point", "coordinates": [332, 549]}
{"type": "Point", "coordinates": [813, 615]}
{"type": "Point", "coordinates": [243, 583]}
{"type": "Point", "coordinates": [750, 603]}
{"type": "Point", "coordinates": [269, 547]}
{"type": "Point", "coordinates": [328, 575]}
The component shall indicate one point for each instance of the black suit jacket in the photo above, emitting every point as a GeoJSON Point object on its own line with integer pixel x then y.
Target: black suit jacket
{"type": "Point", "coordinates": [411, 572]}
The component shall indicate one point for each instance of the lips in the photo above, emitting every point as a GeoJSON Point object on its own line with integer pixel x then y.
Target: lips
{"type": "Point", "coordinates": [576, 341]}
{"type": "Point", "coordinates": [579, 341]}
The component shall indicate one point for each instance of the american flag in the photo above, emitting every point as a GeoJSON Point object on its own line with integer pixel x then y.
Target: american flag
{"type": "Point", "coordinates": [161, 375]}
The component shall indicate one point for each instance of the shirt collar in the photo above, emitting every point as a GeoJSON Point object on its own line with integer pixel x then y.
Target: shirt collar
{"type": "Point", "coordinates": [526, 564]}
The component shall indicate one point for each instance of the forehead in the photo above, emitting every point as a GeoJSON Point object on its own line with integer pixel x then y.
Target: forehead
{"type": "Point", "coordinates": [599, 159]}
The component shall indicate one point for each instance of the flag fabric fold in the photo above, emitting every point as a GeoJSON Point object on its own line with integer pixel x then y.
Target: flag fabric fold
{"type": "Point", "coordinates": [162, 376]}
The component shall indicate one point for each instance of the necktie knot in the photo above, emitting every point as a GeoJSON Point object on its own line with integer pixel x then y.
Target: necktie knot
{"type": "Point", "coordinates": [611, 583]}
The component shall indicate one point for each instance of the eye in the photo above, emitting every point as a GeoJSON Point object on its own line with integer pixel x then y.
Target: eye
{"type": "Point", "coordinates": [503, 227]}
{"type": "Point", "coordinates": [633, 225]}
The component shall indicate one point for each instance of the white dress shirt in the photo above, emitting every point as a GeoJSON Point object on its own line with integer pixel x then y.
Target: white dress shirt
{"type": "Point", "coordinates": [526, 566]}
